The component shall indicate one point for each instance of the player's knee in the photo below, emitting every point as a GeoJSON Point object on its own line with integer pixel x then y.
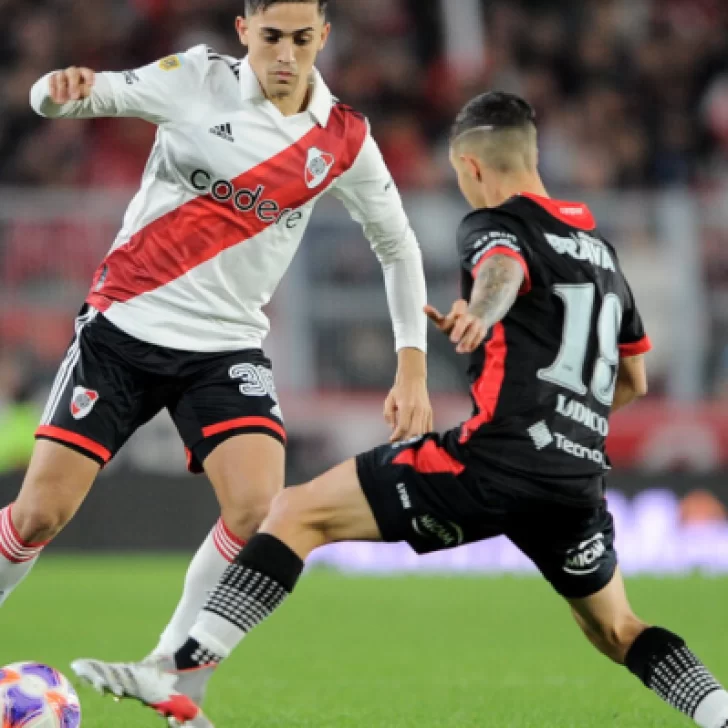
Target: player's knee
{"type": "Point", "coordinates": [38, 522]}
{"type": "Point", "coordinates": [245, 518]}
{"type": "Point", "coordinates": [294, 505]}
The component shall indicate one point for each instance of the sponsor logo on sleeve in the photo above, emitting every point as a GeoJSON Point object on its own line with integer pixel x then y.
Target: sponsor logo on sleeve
{"type": "Point", "coordinates": [170, 63]}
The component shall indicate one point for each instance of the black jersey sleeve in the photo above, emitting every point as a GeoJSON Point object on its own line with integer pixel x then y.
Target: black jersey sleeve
{"type": "Point", "coordinates": [481, 236]}
{"type": "Point", "coordinates": [633, 339]}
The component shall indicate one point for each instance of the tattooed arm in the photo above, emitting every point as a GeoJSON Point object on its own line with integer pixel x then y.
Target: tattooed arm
{"type": "Point", "coordinates": [497, 283]}
{"type": "Point", "coordinates": [495, 289]}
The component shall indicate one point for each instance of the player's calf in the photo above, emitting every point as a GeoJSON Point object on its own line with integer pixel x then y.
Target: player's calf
{"type": "Point", "coordinates": [613, 638]}
{"type": "Point", "coordinates": [329, 508]}
{"type": "Point", "coordinates": [57, 481]}
{"type": "Point", "coordinates": [659, 658]}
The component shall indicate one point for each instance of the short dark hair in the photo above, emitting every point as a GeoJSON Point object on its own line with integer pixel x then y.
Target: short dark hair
{"type": "Point", "coordinates": [258, 6]}
{"type": "Point", "coordinates": [496, 109]}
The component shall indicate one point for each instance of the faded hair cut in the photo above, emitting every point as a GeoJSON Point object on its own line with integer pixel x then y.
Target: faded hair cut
{"type": "Point", "coordinates": [500, 128]}
{"type": "Point", "coordinates": [258, 6]}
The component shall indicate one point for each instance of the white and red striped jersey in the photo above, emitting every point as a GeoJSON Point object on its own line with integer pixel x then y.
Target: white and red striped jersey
{"type": "Point", "coordinates": [225, 199]}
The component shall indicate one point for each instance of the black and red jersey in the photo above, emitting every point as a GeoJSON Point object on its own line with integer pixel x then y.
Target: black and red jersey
{"type": "Point", "coordinates": [542, 383]}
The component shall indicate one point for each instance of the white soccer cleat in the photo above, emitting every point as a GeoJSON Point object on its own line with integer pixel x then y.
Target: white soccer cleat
{"type": "Point", "coordinates": [150, 684]}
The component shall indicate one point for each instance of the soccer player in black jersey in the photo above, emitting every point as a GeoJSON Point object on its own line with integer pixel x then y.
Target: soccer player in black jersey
{"type": "Point", "coordinates": [555, 344]}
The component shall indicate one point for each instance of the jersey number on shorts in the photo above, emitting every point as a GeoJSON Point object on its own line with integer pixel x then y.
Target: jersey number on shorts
{"type": "Point", "coordinates": [568, 369]}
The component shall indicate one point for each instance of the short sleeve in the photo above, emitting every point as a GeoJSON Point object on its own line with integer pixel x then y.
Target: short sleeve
{"type": "Point", "coordinates": [633, 339]}
{"type": "Point", "coordinates": [480, 238]}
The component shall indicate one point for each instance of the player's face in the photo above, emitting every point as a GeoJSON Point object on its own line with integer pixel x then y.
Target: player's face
{"type": "Point", "coordinates": [283, 42]}
{"type": "Point", "coordinates": [470, 179]}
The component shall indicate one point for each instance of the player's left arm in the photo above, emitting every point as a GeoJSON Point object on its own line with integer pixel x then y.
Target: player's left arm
{"type": "Point", "coordinates": [498, 281]}
{"type": "Point", "coordinates": [633, 344]}
{"type": "Point", "coordinates": [372, 199]}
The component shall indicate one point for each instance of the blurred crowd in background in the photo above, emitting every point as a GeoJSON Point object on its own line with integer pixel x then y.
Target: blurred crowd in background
{"type": "Point", "coordinates": [631, 96]}
{"type": "Point", "coordinates": [629, 92]}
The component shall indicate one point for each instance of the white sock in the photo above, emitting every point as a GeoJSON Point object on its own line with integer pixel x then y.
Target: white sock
{"type": "Point", "coordinates": [713, 710]}
{"type": "Point", "coordinates": [17, 557]}
{"type": "Point", "coordinates": [218, 550]}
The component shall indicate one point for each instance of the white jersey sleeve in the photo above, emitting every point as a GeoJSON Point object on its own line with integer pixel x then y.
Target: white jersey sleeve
{"type": "Point", "coordinates": [372, 199]}
{"type": "Point", "coordinates": [157, 93]}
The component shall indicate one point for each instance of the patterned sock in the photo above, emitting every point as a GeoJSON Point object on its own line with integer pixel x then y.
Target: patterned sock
{"type": "Point", "coordinates": [666, 666]}
{"type": "Point", "coordinates": [252, 588]}
{"type": "Point", "coordinates": [17, 557]}
{"type": "Point", "coordinates": [208, 565]}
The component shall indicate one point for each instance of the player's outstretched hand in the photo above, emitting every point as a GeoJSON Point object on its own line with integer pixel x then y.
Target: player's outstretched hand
{"type": "Point", "coordinates": [465, 329]}
{"type": "Point", "coordinates": [73, 84]}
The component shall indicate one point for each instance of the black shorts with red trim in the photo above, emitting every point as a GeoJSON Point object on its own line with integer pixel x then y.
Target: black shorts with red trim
{"type": "Point", "coordinates": [110, 384]}
{"type": "Point", "coordinates": [421, 493]}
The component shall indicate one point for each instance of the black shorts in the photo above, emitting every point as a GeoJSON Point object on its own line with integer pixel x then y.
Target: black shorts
{"type": "Point", "coordinates": [420, 493]}
{"type": "Point", "coordinates": [111, 383]}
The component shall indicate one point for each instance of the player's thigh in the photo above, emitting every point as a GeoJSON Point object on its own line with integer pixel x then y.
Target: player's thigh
{"type": "Point", "coordinates": [420, 493]}
{"type": "Point", "coordinates": [246, 472]}
{"type": "Point", "coordinates": [606, 617]}
{"type": "Point", "coordinates": [222, 397]}
{"type": "Point", "coordinates": [572, 547]}
{"type": "Point", "coordinates": [99, 398]}
{"type": "Point", "coordinates": [56, 483]}
{"type": "Point", "coordinates": [95, 403]}
{"type": "Point", "coordinates": [327, 509]}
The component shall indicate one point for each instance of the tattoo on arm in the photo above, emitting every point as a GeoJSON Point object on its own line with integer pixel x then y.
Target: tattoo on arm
{"type": "Point", "coordinates": [496, 288]}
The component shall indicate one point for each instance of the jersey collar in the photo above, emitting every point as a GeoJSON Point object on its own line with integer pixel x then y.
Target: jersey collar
{"type": "Point", "coordinates": [575, 214]}
{"type": "Point", "coordinates": [319, 106]}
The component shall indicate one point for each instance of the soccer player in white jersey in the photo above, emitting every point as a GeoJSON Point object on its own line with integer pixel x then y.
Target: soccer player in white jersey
{"type": "Point", "coordinates": [173, 320]}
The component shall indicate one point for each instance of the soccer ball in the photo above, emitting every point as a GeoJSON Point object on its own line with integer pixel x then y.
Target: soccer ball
{"type": "Point", "coordinates": [33, 695]}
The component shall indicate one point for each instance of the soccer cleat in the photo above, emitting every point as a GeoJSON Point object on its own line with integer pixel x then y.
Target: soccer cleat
{"type": "Point", "coordinates": [157, 686]}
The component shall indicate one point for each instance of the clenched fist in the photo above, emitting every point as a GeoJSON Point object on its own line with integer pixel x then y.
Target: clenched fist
{"type": "Point", "coordinates": [72, 84]}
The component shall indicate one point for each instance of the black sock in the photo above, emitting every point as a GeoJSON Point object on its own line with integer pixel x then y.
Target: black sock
{"type": "Point", "coordinates": [664, 663]}
{"type": "Point", "coordinates": [252, 588]}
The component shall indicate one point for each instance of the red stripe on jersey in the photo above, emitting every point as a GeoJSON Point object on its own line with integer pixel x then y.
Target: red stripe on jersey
{"type": "Point", "coordinates": [241, 423]}
{"type": "Point", "coordinates": [73, 438]}
{"type": "Point", "coordinates": [430, 458]}
{"type": "Point", "coordinates": [575, 214]}
{"type": "Point", "coordinates": [526, 286]}
{"type": "Point", "coordinates": [202, 228]}
{"type": "Point", "coordinates": [487, 387]}
{"type": "Point", "coordinates": [636, 348]}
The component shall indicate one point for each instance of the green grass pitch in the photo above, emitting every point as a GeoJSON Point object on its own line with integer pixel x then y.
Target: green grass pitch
{"type": "Point", "coordinates": [365, 652]}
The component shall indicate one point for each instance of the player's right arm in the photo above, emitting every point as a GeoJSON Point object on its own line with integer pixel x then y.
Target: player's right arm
{"type": "Point", "coordinates": [498, 263]}
{"type": "Point", "coordinates": [157, 92]}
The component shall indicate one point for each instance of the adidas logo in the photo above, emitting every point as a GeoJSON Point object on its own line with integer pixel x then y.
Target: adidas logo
{"type": "Point", "coordinates": [224, 131]}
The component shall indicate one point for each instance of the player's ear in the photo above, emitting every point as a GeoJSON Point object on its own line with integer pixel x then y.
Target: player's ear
{"type": "Point", "coordinates": [325, 36]}
{"type": "Point", "coordinates": [472, 166]}
{"type": "Point", "coordinates": [241, 25]}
